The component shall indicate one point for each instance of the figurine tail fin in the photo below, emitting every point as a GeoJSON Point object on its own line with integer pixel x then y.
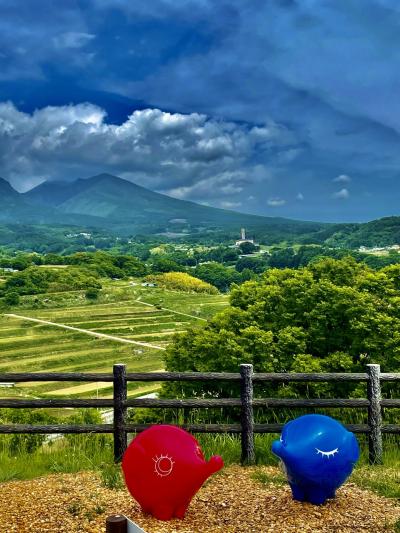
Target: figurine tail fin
{"type": "Point", "coordinates": [214, 464]}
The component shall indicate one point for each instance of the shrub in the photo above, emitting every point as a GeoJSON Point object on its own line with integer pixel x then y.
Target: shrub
{"type": "Point", "coordinates": [92, 293]}
{"type": "Point", "coordinates": [180, 281]}
{"type": "Point", "coordinates": [11, 298]}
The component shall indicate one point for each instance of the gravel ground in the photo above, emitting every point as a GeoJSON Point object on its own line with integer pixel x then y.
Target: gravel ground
{"type": "Point", "coordinates": [230, 502]}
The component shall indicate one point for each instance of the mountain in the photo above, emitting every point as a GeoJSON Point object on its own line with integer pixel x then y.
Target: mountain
{"type": "Point", "coordinates": [124, 204]}
{"type": "Point", "coordinates": [118, 200]}
{"type": "Point", "coordinates": [6, 189]}
{"type": "Point", "coordinates": [13, 207]}
{"type": "Point", "coordinates": [120, 207]}
{"type": "Point", "coordinates": [16, 208]}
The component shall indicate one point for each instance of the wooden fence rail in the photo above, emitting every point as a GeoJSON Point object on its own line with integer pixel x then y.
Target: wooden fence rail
{"type": "Point", "coordinates": [120, 404]}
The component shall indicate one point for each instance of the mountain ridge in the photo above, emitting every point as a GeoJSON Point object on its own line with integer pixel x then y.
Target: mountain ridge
{"type": "Point", "coordinates": [119, 201]}
{"type": "Point", "coordinates": [6, 188]}
{"type": "Point", "coordinates": [107, 202]}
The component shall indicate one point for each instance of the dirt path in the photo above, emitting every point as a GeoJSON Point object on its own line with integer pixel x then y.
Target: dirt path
{"type": "Point", "coordinates": [230, 502]}
{"type": "Point", "coordinates": [170, 310]}
{"type": "Point", "coordinates": [86, 331]}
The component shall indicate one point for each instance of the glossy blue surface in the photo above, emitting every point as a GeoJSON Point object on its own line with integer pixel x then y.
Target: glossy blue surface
{"type": "Point", "coordinates": [318, 454]}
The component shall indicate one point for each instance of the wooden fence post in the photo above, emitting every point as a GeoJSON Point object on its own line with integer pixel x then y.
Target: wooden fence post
{"type": "Point", "coordinates": [116, 524]}
{"type": "Point", "coordinates": [247, 417]}
{"type": "Point", "coordinates": [374, 414]}
{"type": "Point", "coordinates": [120, 396]}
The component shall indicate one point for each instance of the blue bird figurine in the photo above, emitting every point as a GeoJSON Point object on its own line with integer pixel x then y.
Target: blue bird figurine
{"type": "Point", "coordinates": [318, 455]}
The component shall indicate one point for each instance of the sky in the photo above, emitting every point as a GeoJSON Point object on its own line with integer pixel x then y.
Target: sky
{"type": "Point", "coordinates": [281, 107]}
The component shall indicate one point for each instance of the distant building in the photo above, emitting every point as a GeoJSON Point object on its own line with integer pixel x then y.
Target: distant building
{"type": "Point", "coordinates": [82, 234]}
{"type": "Point", "coordinates": [376, 249]}
{"type": "Point", "coordinates": [243, 238]}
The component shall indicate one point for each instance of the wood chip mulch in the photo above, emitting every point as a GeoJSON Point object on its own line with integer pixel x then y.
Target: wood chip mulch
{"type": "Point", "coordinates": [230, 502]}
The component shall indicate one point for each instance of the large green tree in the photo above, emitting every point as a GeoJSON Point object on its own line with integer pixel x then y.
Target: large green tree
{"type": "Point", "coordinates": [333, 316]}
{"type": "Point", "coordinates": [218, 275]}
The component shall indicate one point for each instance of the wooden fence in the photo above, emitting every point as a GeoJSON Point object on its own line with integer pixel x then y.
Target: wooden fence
{"type": "Point", "coordinates": [247, 428]}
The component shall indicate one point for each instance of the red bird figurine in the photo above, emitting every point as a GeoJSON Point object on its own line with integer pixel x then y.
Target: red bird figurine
{"type": "Point", "coordinates": [164, 467]}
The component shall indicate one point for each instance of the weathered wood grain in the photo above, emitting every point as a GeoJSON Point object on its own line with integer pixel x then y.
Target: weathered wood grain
{"type": "Point", "coordinates": [374, 414]}
{"type": "Point", "coordinates": [247, 416]}
{"type": "Point", "coordinates": [120, 396]}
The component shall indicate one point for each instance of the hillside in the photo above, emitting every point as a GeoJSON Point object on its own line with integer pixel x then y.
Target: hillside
{"type": "Point", "coordinates": [16, 208]}
{"type": "Point", "coordinates": [13, 207]}
{"type": "Point", "coordinates": [124, 204]}
{"type": "Point", "coordinates": [381, 232]}
{"type": "Point", "coordinates": [120, 207]}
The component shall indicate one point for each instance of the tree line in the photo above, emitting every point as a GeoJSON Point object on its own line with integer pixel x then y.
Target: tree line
{"type": "Point", "coordinates": [331, 316]}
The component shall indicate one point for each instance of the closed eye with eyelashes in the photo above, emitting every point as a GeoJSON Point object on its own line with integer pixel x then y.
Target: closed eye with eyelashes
{"type": "Point", "coordinates": [331, 453]}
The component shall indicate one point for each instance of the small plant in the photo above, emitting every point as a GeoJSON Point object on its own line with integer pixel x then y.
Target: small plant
{"type": "Point", "coordinates": [274, 478]}
{"type": "Point", "coordinates": [10, 475]}
{"type": "Point", "coordinates": [90, 515]}
{"type": "Point", "coordinates": [99, 509]}
{"type": "Point", "coordinates": [111, 476]}
{"type": "Point", "coordinates": [74, 508]}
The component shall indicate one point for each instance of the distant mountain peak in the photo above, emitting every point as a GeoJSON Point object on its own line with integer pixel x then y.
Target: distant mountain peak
{"type": "Point", "coordinates": [106, 178]}
{"type": "Point", "coordinates": [106, 200]}
{"type": "Point", "coordinates": [104, 175]}
{"type": "Point", "coordinates": [117, 200]}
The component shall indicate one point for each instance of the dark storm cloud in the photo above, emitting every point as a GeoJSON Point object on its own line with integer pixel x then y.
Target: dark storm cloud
{"type": "Point", "coordinates": [321, 77]}
{"type": "Point", "coordinates": [37, 36]}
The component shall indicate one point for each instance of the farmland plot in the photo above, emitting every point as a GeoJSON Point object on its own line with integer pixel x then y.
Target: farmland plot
{"type": "Point", "coordinates": [27, 346]}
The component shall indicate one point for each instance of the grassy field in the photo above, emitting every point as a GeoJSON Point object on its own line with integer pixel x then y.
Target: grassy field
{"type": "Point", "coordinates": [134, 313]}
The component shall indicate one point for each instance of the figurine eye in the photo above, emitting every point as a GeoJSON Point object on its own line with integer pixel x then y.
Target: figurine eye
{"type": "Point", "coordinates": [329, 454]}
{"type": "Point", "coordinates": [163, 465]}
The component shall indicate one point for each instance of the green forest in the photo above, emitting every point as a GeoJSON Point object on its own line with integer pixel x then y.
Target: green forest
{"type": "Point", "coordinates": [332, 316]}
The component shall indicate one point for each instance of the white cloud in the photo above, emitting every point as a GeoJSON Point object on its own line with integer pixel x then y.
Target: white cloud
{"type": "Point", "coordinates": [223, 184]}
{"type": "Point", "coordinates": [289, 155]}
{"type": "Point", "coordinates": [276, 202]}
{"type": "Point", "coordinates": [231, 188]}
{"type": "Point", "coordinates": [343, 194]}
{"type": "Point", "coordinates": [185, 155]}
{"type": "Point", "coordinates": [73, 39]}
{"type": "Point", "coordinates": [343, 178]}
{"type": "Point", "coordinates": [273, 133]}
{"type": "Point", "coordinates": [230, 205]}
{"type": "Point", "coordinates": [300, 196]}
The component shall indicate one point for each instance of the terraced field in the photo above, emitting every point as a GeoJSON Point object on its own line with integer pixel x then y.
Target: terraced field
{"type": "Point", "coordinates": [128, 314]}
